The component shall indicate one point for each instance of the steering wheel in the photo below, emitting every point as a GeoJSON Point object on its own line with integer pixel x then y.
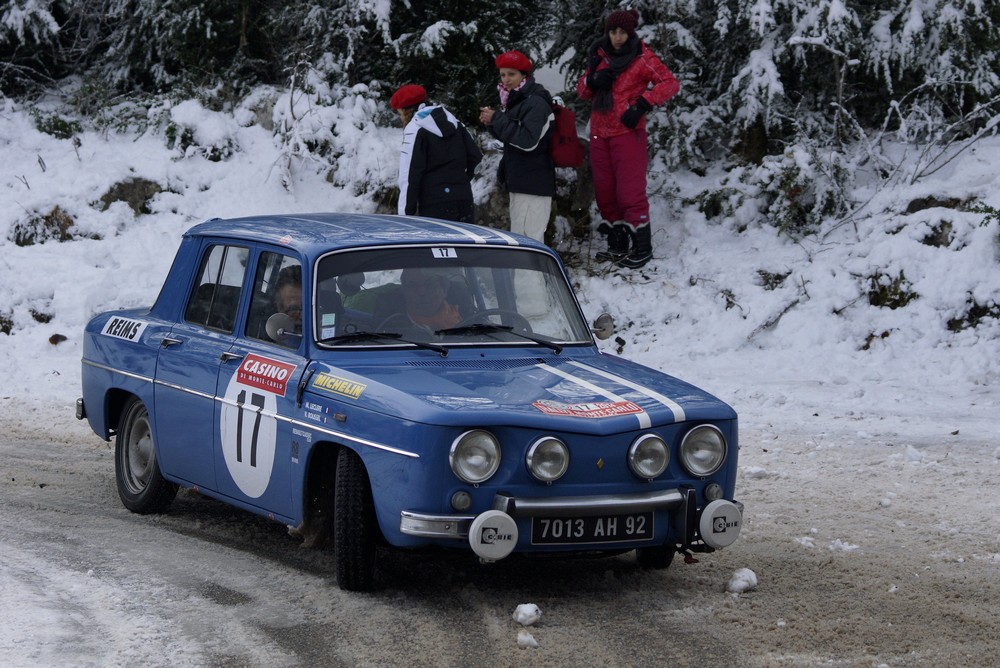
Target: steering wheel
{"type": "Point", "coordinates": [517, 321]}
{"type": "Point", "coordinates": [401, 323]}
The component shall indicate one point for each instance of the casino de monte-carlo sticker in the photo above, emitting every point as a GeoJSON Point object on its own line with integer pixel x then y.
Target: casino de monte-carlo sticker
{"type": "Point", "coordinates": [248, 427]}
{"type": "Point", "coordinates": [124, 328]}
{"type": "Point", "coordinates": [594, 409]}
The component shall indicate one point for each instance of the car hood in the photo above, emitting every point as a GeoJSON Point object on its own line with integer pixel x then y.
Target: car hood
{"type": "Point", "coordinates": [593, 394]}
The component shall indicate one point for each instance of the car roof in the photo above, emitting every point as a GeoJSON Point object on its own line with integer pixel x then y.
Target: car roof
{"type": "Point", "coordinates": [320, 232]}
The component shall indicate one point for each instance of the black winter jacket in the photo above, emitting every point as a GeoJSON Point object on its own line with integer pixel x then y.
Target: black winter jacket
{"type": "Point", "coordinates": [437, 160]}
{"type": "Point", "coordinates": [525, 128]}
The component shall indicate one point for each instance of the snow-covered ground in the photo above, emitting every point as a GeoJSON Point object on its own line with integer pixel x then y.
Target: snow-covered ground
{"type": "Point", "coordinates": [809, 355]}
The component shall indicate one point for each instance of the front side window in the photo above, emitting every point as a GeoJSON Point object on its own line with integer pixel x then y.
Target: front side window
{"type": "Point", "coordinates": [277, 291]}
{"type": "Point", "coordinates": [448, 296]}
{"type": "Point", "coordinates": [215, 298]}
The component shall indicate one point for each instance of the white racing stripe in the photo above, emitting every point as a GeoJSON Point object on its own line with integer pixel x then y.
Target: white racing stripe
{"type": "Point", "coordinates": [472, 235]}
{"type": "Point", "coordinates": [677, 409]}
{"type": "Point", "coordinates": [644, 421]}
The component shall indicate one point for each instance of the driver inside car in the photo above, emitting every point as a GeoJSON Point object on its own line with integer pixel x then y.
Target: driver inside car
{"type": "Point", "coordinates": [425, 294]}
{"type": "Point", "coordinates": [288, 295]}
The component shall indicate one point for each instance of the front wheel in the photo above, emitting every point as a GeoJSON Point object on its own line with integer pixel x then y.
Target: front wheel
{"type": "Point", "coordinates": [354, 525]}
{"type": "Point", "coordinates": [141, 486]}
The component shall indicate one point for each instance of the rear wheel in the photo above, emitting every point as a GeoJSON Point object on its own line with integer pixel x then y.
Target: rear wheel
{"type": "Point", "coordinates": [354, 524]}
{"type": "Point", "coordinates": [658, 557]}
{"type": "Point", "coordinates": [140, 485]}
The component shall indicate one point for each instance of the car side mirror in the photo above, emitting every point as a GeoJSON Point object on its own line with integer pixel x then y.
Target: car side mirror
{"type": "Point", "coordinates": [280, 328]}
{"type": "Point", "coordinates": [603, 327]}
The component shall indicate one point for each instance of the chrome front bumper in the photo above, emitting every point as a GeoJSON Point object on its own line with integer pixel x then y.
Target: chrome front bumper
{"type": "Point", "coordinates": [435, 526]}
{"type": "Point", "coordinates": [457, 526]}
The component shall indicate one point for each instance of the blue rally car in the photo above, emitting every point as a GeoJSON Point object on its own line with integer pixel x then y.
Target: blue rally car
{"type": "Point", "coordinates": [408, 382]}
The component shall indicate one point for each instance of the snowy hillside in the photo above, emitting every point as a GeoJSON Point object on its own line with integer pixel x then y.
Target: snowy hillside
{"type": "Point", "coordinates": [884, 322]}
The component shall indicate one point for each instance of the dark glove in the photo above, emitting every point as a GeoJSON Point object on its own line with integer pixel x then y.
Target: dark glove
{"type": "Point", "coordinates": [601, 79]}
{"type": "Point", "coordinates": [631, 117]}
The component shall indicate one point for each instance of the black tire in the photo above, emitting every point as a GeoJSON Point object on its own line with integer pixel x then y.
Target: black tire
{"type": "Point", "coordinates": [355, 528]}
{"type": "Point", "coordinates": [659, 557]}
{"type": "Point", "coordinates": [141, 486]}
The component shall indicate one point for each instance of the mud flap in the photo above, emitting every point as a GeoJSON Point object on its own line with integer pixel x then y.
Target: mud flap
{"type": "Point", "coordinates": [685, 519]}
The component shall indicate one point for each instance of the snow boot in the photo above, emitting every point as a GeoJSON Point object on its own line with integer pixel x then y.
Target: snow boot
{"type": "Point", "coordinates": [642, 248]}
{"type": "Point", "coordinates": [618, 240]}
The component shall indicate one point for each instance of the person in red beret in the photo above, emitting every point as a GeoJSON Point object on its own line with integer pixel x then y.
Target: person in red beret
{"type": "Point", "coordinates": [437, 160]}
{"type": "Point", "coordinates": [624, 81]}
{"type": "Point", "coordinates": [524, 124]}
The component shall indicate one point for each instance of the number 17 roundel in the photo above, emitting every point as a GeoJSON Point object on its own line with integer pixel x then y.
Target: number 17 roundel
{"type": "Point", "coordinates": [248, 427]}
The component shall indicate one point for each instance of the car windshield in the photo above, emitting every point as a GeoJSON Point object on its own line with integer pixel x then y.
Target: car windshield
{"type": "Point", "coordinates": [454, 296]}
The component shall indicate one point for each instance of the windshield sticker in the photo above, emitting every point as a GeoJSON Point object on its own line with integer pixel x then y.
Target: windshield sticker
{"type": "Point", "coordinates": [341, 386]}
{"type": "Point", "coordinates": [597, 409]}
{"type": "Point", "coordinates": [123, 328]}
{"type": "Point", "coordinates": [444, 253]}
{"type": "Point", "coordinates": [265, 374]}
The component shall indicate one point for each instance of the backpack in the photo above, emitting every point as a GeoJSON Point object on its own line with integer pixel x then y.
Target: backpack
{"type": "Point", "coordinates": [566, 148]}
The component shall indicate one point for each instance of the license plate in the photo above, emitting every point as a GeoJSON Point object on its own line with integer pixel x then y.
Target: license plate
{"type": "Point", "coordinates": [597, 529]}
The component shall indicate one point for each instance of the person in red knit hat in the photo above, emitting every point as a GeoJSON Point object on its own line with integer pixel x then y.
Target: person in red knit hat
{"type": "Point", "coordinates": [524, 124]}
{"type": "Point", "coordinates": [624, 81]}
{"type": "Point", "coordinates": [437, 160]}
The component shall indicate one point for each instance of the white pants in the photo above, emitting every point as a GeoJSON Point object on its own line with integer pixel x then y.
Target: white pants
{"type": "Point", "coordinates": [529, 215]}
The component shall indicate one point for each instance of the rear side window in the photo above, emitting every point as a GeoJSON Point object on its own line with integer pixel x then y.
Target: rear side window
{"type": "Point", "coordinates": [216, 295]}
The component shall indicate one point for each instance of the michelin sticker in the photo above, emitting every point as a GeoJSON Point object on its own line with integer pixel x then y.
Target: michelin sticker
{"type": "Point", "coordinates": [248, 426]}
{"type": "Point", "coordinates": [340, 386]}
{"type": "Point", "coordinates": [124, 328]}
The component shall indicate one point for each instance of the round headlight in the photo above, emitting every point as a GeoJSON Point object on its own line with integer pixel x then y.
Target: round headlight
{"type": "Point", "coordinates": [703, 450]}
{"type": "Point", "coordinates": [548, 459]}
{"type": "Point", "coordinates": [648, 456]}
{"type": "Point", "coordinates": [475, 456]}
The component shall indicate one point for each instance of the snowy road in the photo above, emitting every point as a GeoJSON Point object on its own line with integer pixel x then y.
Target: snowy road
{"type": "Point", "coordinates": [88, 583]}
{"type": "Point", "coordinates": [874, 553]}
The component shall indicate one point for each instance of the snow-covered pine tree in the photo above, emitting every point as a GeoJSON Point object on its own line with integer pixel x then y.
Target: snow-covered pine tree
{"type": "Point", "coordinates": [156, 44]}
{"type": "Point", "coordinates": [937, 62]}
{"type": "Point", "coordinates": [448, 46]}
{"type": "Point", "coordinates": [29, 44]}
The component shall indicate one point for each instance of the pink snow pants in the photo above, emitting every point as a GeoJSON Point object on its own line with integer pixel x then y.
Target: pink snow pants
{"type": "Point", "coordinates": [618, 165]}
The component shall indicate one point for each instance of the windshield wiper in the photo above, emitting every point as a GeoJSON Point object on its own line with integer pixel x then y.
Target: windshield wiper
{"type": "Point", "coordinates": [485, 328]}
{"type": "Point", "coordinates": [394, 336]}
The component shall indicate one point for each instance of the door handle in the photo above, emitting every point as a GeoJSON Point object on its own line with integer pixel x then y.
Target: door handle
{"type": "Point", "coordinates": [169, 341]}
{"type": "Point", "coordinates": [228, 356]}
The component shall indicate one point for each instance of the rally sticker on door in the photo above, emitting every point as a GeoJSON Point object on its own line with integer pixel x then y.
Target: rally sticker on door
{"type": "Point", "coordinates": [265, 374]}
{"type": "Point", "coordinates": [248, 427]}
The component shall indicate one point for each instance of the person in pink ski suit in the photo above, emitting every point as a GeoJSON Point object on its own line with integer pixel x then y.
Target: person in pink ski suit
{"type": "Point", "coordinates": [624, 80]}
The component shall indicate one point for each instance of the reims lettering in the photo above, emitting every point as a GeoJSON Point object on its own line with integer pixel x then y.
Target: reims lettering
{"type": "Point", "coordinates": [125, 329]}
